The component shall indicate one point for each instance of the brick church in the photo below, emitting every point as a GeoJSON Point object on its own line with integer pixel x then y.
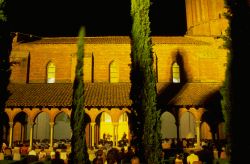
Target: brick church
{"type": "Point", "coordinates": [190, 70]}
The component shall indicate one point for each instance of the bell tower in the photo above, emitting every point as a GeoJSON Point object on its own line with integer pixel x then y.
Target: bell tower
{"type": "Point", "coordinates": [205, 17]}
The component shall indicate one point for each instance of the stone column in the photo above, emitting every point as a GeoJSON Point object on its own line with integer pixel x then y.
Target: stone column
{"type": "Point", "coordinates": [11, 133]}
{"type": "Point", "coordinates": [198, 10]}
{"type": "Point", "coordinates": [188, 14]}
{"type": "Point", "coordinates": [51, 133]}
{"type": "Point", "coordinates": [92, 124]}
{"type": "Point", "coordinates": [194, 13]}
{"type": "Point", "coordinates": [197, 127]}
{"type": "Point", "coordinates": [115, 133]}
{"type": "Point", "coordinates": [177, 129]}
{"type": "Point", "coordinates": [31, 133]}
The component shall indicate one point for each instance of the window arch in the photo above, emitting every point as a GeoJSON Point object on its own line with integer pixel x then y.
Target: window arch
{"type": "Point", "coordinates": [113, 72]}
{"type": "Point", "coordinates": [176, 72]}
{"type": "Point", "coordinates": [51, 72]}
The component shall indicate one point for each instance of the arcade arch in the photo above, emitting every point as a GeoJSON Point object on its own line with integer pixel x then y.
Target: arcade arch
{"type": "Point", "coordinates": [187, 125]}
{"type": "Point", "coordinates": [168, 126]}
{"type": "Point", "coordinates": [6, 127]}
{"type": "Point", "coordinates": [205, 131]}
{"type": "Point", "coordinates": [41, 127]}
{"type": "Point", "coordinates": [20, 127]}
{"type": "Point", "coordinates": [62, 129]}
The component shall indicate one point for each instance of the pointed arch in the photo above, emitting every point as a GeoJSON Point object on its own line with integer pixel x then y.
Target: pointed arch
{"type": "Point", "coordinates": [168, 126]}
{"type": "Point", "coordinates": [205, 131]}
{"type": "Point", "coordinates": [123, 126]}
{"type": "Point", "coordinates": [187, 125]}
{"type": "Point", "coordinates": [113, 72]}
{"type": "Point", "coordinates": [176, 72]}
{"type": "Point", "coordinates": [221, 131]}
{"type": "Point", "coordinates": [106, 125]}
{"type": "Point", "coordinates": [51, 72]}
{"type": "Point", "coordinates": [41, 127]}
{"type": "Point", "coordinates": [6, 127]}
{"type": "Point", "coordinates": [62, 129]}
{"type": "Point", "coordinates": [20, 127]}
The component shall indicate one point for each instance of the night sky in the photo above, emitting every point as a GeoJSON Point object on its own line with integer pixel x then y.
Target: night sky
{"type": "Point", "coordinates": [100, 17]}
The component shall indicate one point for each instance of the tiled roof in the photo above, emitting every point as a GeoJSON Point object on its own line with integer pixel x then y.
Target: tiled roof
{"type": "Point", "coordinates": [196, 94]}
{"type": "Point", "coordinates": [117, 40]}
{"type": "Point", "coordinates": [60, 95]}
{"type": "Point", "coordinates": [36, 95]}
{"type": "Point", "coordinates": [99, 94]}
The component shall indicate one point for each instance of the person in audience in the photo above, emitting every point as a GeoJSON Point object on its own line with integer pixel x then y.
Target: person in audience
{"type": "Point", "coordinates": [135, 160]}
{"type": "Point", "coordinates": [223, 154]}
{"type": "Point", "coordinates": [42, 155]}
{"type": "Point", "coordinates": [121, 155]}
{"type": "Point", "coordinates": [192, 157]}
{"type": "Point", "coordinates": [57, 159]}
{"type": "Point", "coordinates": [206, 155]}
{"type": "Point", "coordinates": [178, 159]}
{"type": "Point", "coordinates": [32, 156]}
{"type": "Point", "coordinates": [32, 151]}
{"type": "Point", "coordinates": [98, 159]}
{"type": "Point", "coordinates": [215, 152]}
{"type": "Point", "coordinates": [52, 154]}
{"type": "Point", "coordinates": [113, 156]}
{"type": "Point", "coordinates": [8, 153]}
{"type": "Point", "coordinates": [4, 146]}
{"type": "Point", "coordinates": [129, 154]}
{"type": "Point", "coordinates": [91, 153]}
{"type": "Point", "coordinates": [24, 150]}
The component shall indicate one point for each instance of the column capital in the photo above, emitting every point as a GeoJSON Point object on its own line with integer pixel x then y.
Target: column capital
{"type": "Point", "coordinates": [115, 123]}
{"type": "Point", "coordinates": [51, 123]}
{"type": "Point", "coordinates": [31, 123]}
{"type": "Point", "coordinates": [11, 124]}
{"type": "Point", "coordinates": [92, 123]}
{"type": "Point", "coordinates": [197, 122]}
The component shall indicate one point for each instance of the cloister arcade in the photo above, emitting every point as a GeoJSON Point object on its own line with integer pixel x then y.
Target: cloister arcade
{"type": "Point", "coordinates": [29, 124]}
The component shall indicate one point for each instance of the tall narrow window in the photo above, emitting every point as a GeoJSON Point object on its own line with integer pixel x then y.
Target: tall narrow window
{"type": "Point", "coordinates": [51, 71]}
{"type": "Point", "coordinates": [114, 72]}
{"type": "Point", "coordinates": [176, 73]}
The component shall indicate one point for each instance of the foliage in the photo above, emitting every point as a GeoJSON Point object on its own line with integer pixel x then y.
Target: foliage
{"type": "Point", "coordinates": [79, 152]}
{"type": "Point", "coordinates": [146, 117]}
{"type": "Point", "coordinates": [234, 104]}
{"type": "Point", "coordinates": [5, 72]}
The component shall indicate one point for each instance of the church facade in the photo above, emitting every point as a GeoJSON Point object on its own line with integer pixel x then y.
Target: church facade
{"type": "Point", "coordinates": [190, 71]}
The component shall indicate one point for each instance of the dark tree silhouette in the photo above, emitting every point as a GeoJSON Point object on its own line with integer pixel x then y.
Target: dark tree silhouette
{"type": "Point", "coordinates": [235, 103]}
{"type": "Point", "coordinates": [143, 92]}
{"type": "Point", "coordinates": [5, 50]}
{"type": "Point", "coordinates": [79, 152]}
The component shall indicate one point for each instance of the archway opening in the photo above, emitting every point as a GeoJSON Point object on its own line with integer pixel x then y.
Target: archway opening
{"type": "Point", "coordinates": [20, 128]}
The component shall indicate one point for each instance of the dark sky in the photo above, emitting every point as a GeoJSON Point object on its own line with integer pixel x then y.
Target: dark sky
{"type": "Point", "coordinates": [100, 17]}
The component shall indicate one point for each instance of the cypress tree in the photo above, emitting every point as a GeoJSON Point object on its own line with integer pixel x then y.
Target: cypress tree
{"type": "Point", "coordinates": [5, 72]}
{"type": "Point", "coordinates": [79, 153]}
{"type": "Point", "coordinates": [235, 103]}
{"type": "Point", "coordinates": [146, 117]}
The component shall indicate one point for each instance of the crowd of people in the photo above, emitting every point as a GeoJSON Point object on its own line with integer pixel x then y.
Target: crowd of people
{"type": "Point", "coordinates": [184, 152]}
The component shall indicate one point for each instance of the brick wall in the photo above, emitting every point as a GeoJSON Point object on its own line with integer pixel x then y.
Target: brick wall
{"type": "Point", "coordinates": [201, 62]}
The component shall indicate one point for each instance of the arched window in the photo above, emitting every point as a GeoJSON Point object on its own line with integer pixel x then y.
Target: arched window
{"type": "Point", "coordinates": [113, 72]}
{"type": "Point", "coordinates": [51, 72]}
{"type": "Point", "coordinates": [176, 73]}
{"type": "Point", "coordinates": [105, 117]}
{"type": "Point", "coordinates": [123, 118]}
